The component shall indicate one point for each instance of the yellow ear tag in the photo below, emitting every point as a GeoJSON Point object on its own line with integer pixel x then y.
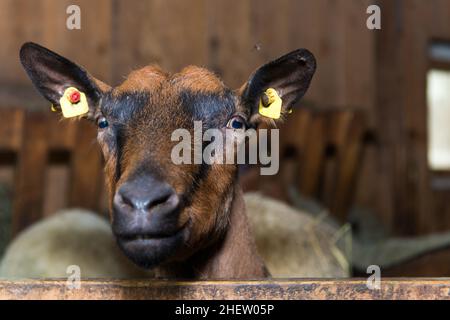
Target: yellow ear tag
{"type": "Point", "coordinates": [273, 108]}
{"type": "Point", "coordinates": [73, 103]}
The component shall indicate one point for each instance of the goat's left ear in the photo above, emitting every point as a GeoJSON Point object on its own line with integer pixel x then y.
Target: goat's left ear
{"type": "Point", "coordinates": [277, 86]}
{"type": "Point", "coordinates": [57, 77]}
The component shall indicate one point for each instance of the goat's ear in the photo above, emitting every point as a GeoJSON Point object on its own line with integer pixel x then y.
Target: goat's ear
{"type": "Point", "coordinates": [277, 86]}
{"type": "Point", "coordinates": [52, 74]}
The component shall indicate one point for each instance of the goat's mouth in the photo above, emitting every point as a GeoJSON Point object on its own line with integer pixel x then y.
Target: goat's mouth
{"type": "Point", "coordinates": [148, 250]}
{"type": "Point", "coordinates": [130, 237]}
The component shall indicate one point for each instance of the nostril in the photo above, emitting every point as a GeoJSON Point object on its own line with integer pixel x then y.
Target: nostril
{"type": "Point", "coordinates": [126, 201]}
{"type": "Point", "coordinates": [146, 199]}
{"type": "Point", "coordinates": [166, 198]}
{"type": "Point", "coordinates": [158, 201]}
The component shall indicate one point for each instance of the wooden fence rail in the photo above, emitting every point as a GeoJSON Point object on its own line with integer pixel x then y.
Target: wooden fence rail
{"type": "Point", "coordinates": [32, 137]}
{"type": "Point", "coordinates": [304, 289]}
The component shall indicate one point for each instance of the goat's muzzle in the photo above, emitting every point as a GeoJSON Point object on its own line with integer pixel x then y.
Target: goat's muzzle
{"type": "Point", "coordinates": [146, 222]}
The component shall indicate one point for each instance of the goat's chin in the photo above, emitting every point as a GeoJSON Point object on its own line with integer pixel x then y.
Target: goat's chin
{"type": "Point", "coordinates": [151, 252]}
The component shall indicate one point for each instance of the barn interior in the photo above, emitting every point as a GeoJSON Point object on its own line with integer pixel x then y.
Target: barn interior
{"type": "Point", "coordinates": [365, 154]}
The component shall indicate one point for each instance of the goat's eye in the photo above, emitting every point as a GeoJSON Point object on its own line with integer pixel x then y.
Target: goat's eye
{"type": "Point", "coordinates": [102, 123]}
{"type": "Point", "coordinates": [236, 122]}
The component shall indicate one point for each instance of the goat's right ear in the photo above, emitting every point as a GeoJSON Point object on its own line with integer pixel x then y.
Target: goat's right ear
{"type": "Point", "coordinates": [274, 89]}
{"type": "Point", "coordinates": [52, 74]}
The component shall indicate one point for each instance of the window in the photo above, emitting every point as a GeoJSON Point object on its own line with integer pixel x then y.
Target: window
{"type": "Point", "coordinates": [438, 101]}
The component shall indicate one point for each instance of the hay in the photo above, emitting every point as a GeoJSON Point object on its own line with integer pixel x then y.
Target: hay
{"type": "Point", "coordinates": [294, 243]}
{"type": "Point", "coordinates": [70, 237]}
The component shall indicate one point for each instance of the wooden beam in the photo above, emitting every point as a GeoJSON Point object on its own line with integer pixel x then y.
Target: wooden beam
{"type": "Point", "coordinates": [350, 289]}
{"type": "Point", "coordinates": [11, 128]}
{"type": "Point", "coordinates": [86, 169]}
{"type": "Point", "coordinates": [30, 172]}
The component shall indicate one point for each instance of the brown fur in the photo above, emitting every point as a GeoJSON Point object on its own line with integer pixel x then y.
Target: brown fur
{"type": "Point", "coordinates": [148, 78]}
{"type": "Point", "coordinates": [211, 221]}
{"type": "Point", "coordinates": [198, 80]}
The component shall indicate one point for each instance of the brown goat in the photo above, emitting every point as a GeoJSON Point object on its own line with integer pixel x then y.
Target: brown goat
{"type": "Point", "coordinates": [184, 220]}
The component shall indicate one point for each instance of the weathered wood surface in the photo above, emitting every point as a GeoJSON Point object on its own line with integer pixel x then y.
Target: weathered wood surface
{"type": "Point", "coordinates": [352, 289]}
{"type": "Point", "coordinates": [327, 148]}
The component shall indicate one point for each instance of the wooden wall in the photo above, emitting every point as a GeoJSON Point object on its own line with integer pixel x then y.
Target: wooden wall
{"type": "Point", "coordinates": [379, 72]}
{"type": "Point", "coordinates": [225, 35]}
{"type": "Point", "coordinates": [407, 201]}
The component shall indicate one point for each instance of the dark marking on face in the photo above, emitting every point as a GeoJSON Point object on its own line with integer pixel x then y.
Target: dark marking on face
{"type": "Point", "coordinates": [122, 106]}
{"type": "Point", "coordinates": [141, 122]}
{"type": "Point", "coordinates": [213, 109]}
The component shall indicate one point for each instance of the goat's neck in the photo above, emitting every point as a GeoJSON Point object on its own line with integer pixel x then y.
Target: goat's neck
{"type": "Point", "coordinates": [233, 256]}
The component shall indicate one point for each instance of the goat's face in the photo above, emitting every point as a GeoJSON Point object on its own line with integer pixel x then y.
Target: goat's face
{"type": "Point", "coordinates": [162, 211]}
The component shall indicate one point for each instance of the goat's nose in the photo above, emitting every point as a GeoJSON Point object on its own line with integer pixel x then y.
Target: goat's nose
{"type": "Point", "coordinates": [145, 196]}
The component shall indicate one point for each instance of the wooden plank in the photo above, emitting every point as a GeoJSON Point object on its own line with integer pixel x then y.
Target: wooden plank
{"type": "Point", "coordinates": [56, 188]}
{"type": "Point", "coordinates": [416, 209]}
{"type": "Point", "coordinates": [62, 132]}
{"type": "Point", "coordinates": [389, 119]}
{"type": "Point", "coordinates": [86, 181]}
{"type": "Point", "coordinates": [11, 126]}
{"type": "Point", "coordinates": [365, 189]}
{"type": "Point", "coordinates": [172, 34]}
{"type": "Point", "coordinates": [294, 133]}
{"type": "Point", "coordinates": [312, 158]}
{"type": "Point", "coordinates": [63, 141]}
{"type": "Point", "coordinates": [312, 26]}
{"type": "Point", "coordinates": [356, 45]}
{"type": "Point", "coordinates": [352, 289]}
{"type": "Point", "coordinates": [231, 52]}
{"type": "Point", "coordinates": [350, 156]}
{"type": "Point", "coordinates": [270, 29]}
{"type": "Point", "coordinates": [30, 179]}
{"type": "Point", "coordinates": [338, 124]}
